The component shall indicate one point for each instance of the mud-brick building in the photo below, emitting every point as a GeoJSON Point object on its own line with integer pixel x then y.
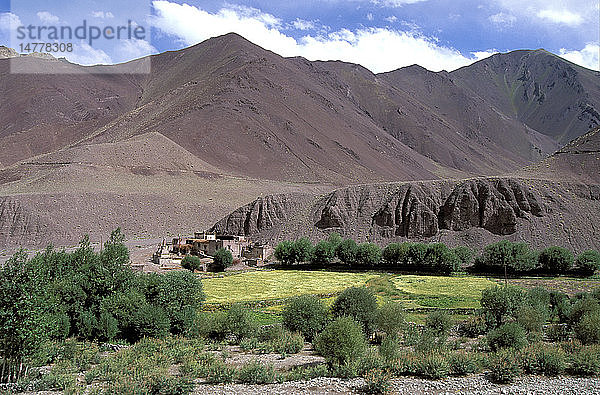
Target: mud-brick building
{"type": "Point", "coordinates": [203, 244]}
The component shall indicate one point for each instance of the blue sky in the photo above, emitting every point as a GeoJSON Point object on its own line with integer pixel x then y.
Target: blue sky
{"type": "Point", "coordinates": [382, 35]}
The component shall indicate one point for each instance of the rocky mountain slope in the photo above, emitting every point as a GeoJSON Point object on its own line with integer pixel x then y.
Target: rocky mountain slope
{"type": "Point", "coordinates": [216, 125]}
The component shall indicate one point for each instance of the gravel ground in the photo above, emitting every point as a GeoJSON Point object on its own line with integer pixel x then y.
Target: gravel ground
{"type": "Point", "coordinates": [477, 384]}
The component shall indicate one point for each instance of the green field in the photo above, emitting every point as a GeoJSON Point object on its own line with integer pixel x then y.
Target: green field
{"type": "Point", "coordinates": [279, 284]}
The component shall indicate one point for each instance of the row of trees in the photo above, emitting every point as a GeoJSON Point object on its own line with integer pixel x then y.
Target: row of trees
{"type": "Point", "coordinates": [89, 295]}
{"type": "Point", "coordinates": [500, 257]}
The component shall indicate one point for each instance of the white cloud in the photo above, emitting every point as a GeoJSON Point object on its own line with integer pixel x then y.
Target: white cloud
{"type": "Point", "coordinates": [391, 19]}
{"type": "Point", "coordinates": [502, 19]}
{"type": "Point", "coordinates": [9, 21]}
{"type": "Point", "coordinates": [301, 24]}
{"type": "Point", "coordinates": [370, 16]}
{"type": "Point", "coordinates": [588, 57]}
{"type": "Point", "coordinates": [378, 49]}
{"type": "Point", "coordinates": [395, 3]}
{"type": "Point", "coordinates": [48, 18]}
{"type": "Point", "coordinates": [560, 16]}
{"type": "Point", "coordinates": [86, 55]}
{"type": "Point", "coordinates": [572, 13]}
{"type": "Point", "coordinates": [132, 49]}
{"type": "Point", "coordinates": [102, 14]}
{"type": "Point", "coordinates": [479, 55]}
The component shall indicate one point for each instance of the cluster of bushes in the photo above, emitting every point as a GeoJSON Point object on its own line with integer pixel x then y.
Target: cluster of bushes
{"type": "Point", "coordinates": [223, 259]}
{"type": "Point", "coordinates": [89, 295]}
{"type": "Point", "coordinates": [499, 258]}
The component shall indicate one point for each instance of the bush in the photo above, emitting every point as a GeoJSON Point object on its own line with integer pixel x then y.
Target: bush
{"type": "Point", "coordinates": [390, 318]}
{"type": "Point", "coordinates": [504, 367]}
{"type": "Point", "coordinates": [510, 335]}
{"type": "Point", "coordinates": [588, 262]}
{"type": "Point", "coordinates": [377, 382]}
{"type": "Point", "coordinates": [543, 359]}
{"type": "Point", "coordinates": [222, 260]}
{"type": "Point", "coordinates": [416, 256]}
{"type": "Point", "coordinates": [324, 253]}
{"type": "Point", "coordinates": [515, 257]}
{"type": "Point", "coordinates": [500, 303]}
{"type": "Point", "coordinates": [254, 372]}
{"type": "Point", "coordinates": [218, 372]}
{"type": "Point", "coordinates": [191, 262]}
{"type": "Point", "coordinates": [583, 306]}
{"type": "Point", "coordinates": [439, 322]}
{"type": "Point", "coordinates": [557, 260]}
{"type": "Point", "coordinates": [239, 322]}
{"type": "Point", "coordinates": [557, 332]}
{"type": "Point", "coordinates": [462, 363]}
{"type": "Point", "coordinates": [587, 330]}
{"type": "Point", "coordinates": [585, 362]}
{"type": "Point", "coordinates": [472, 327]}
{"type": "Point", "coordinates": [440, 259]}
{"type": "Point", "coordinates": [432, 366]}
{"type": "Point", "coordinates": [288, 343]}
{"type": "Point", "coordinates": [346, 251]}
{"type": "Point", "coordinates": [305, 314]}
{"type": "Point", "coordinates": [358, 303]}
{"type": "Point", "coordinates": [369, 360]}
{"type": "Point", "coordinates": [389, 349]}
{"type": "Point", "coordinates": [531, 318]}
{"type": "Point", "coordinates": [368, 254]}
{"type": "Point", "coordinates": [341, 342]}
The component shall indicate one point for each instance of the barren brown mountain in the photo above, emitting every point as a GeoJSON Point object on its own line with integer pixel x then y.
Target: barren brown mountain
{"type": "Point", "coordinates": [216, 125]}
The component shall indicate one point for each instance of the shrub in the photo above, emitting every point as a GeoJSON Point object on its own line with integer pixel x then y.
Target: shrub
{"type": "Point", "coordinates": [284, 252]}
{"type": "Point", "coordinates": [249, 344]}
{"type": "Point", "coordinates": [515, 257]}
{"type": "Point", "coordinates": [544, 359]}
{"type": "Point", "coordinates": [302, 250]}
{"type": "Point", "coordinates": [585, 362]}
{"type": "Point", "coordinates": [305, 373]}
{"type": "Point", "coordinates": [430, 341]}
{"type": "Point", "coordinates": [587, 330]}
{"type": "Point", "coordinates": [389, 349]}
{"type": "Point", "coordinates": [557, 260]}
{"type": "Point", "coordinates": [341, 342]}
{"type": "Point", "coordinates": [531, 318]}
{"type": "Point", "coordinates": [377, 382]}
{"type": "Point", "coordinates": [499, 303]}
{"type": "Point", "coordinates": [432, 366]}
{"type": "Point", "coordinates": [324, 253]}
{"type": "Point", "coordinates": [212, 325]}
{"type": "Point", "coordinates": [305, 314]}
{"type": "Point", "coordinates": [346, 251]}
{"type": "Point", "coordinates": [358, 303]}
{"type": "Point", "coordinates": [559, 306]}
{"type": "Point", "coordinates": [390, 318]}
{"type": "Point", "coordinates": [191, 262]}
{"type": "Point", "coordinates": [583, 306]}
{"type": "Point", "coordinates": [239, 322]}
{"type": "Point", "coordinates": [368, 254]}
{"type": "Point", "coordinates": [369, 360]}
{"type": "Point", "coordinates": [588, 262]}
{"type": "Point", "coordinates": [254, 372]}
{"type": "Point", "coordinates": [218, 372]}
{"type": "Point", "coordinates": [288, 343]}
{"type": "Point", "coordinates": [440, 259]}
{"type": "Point", "coordinates": [557, 332]}
{"type": "Point", "coordinates": [504, 367]}
{"type": "Point", "coordinates": [472, 326]}
{"type": "Point", "coordinates": [439, 322]}
{"type": "Point", "coordinates": [416, 256]}
{"type": "Point", "coordinates": [510, 335]}
{"type": "Point", "coordinates": [222, 260]}
{"type": "Point", "coordinates": [462, 363]}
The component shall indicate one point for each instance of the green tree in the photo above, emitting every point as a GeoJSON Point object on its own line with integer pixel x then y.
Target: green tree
{"type": "Point", "coordinates": [324, 253]}
{"type": "Point", "coordinates": [341, 342]}
{"type": "Point", "coordinates": [305, 314]}
{"type": "Point", "coordinates": [588, 262]}
{"type": "Point", "coordinates": [390, 318]}
{"type": "Point", "coordinates": [284, 252]}
{"type": "Point", "coordinates": [505, 255]}
{"type": "Point", "coordinates": [464, 254]}
{"type": "Point", "coordinates": [416, 256]}
{"type": "Point", "coordinates": [440, 259]}
{"type": "Point", "coordinates": [346, 251]}
{"type": "Point", "coordinates": [302, 250]}
{"type": "Point", "coordinates": [500, 303]}
{"type": "Point", "coordinates": [222, 260]}
{"type": "Point", "coordinates": [191, 262]}
{"type": "Point", "coordinates": [358, 303]}
{"type": "Point", "coordinates": [368, 254]}
{"type": "Point", "coordinates": [556, 260]}
{"type": "Point", "coordinates": [395, 254]}
{"type": "Point", "coordinates": [334, 239]}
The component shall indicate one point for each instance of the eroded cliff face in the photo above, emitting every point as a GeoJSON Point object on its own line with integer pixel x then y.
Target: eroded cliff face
{"type": "Point", "coordinates": [474, 211]}
{"type": "Point", "coordinates": [18, 224]}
